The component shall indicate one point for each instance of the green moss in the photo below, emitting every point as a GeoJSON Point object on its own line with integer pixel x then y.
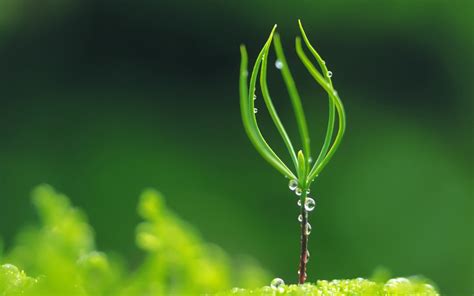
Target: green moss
{"type": "Point", "coordinates": [398, 286]}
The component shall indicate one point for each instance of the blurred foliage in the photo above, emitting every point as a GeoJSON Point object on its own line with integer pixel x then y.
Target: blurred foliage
{"type": "Point", "coordinates": [106, 98]}
{"type": "Point", "coordinates": [61, 257]}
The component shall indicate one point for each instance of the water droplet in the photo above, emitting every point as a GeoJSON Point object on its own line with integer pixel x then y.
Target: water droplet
{"type": "Point", "coordinates": [305, 274]}
{"type": "Point", "coordinates": [277, 284]}
{"type": "Point", "coordinates": [299, 202]}
{"type": "Point", "coordinates": [255, 110]}
{"type": "Point", "coordinates": [293, 184]}
{"type": "Point", "coordinates": [300, 218]}
{"type": "Point", "coordinates": [298, 191]}
{"type": "Point", "coordinates": [307, 256]}
{"type": "Point", "coordinates": [307, 229]}
{"type": "Point", "coordinates": [308, 191]}
{"type": "Point", "coordinates": [309, 204]}
{"type": "Point", "coordinates": [324, 62]}
{"type": "Point", "coordinates": [278, 64]}
{"type": "Point", "coordinates": [254, 97]}
{"type": "Point", "coordinates": [310, 159]}
{"type": "Point", "coordinates": [329, 74]}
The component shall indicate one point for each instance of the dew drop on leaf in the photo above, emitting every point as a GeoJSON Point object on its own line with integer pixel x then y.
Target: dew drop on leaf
{"type": "Point", "coordinates": [300, 218]}
{"type": "Point", "coordinates": [255, 110]}
{"type": "Point", "coordinates": [298, 191]}
{"type": "Point", "coordinates": [278, 64]}
{"type": "Point", "coordinates": [329, 74]}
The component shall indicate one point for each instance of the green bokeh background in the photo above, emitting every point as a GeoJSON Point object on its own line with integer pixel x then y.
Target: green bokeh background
{"type": "Point", "coordinates": [104, 98]}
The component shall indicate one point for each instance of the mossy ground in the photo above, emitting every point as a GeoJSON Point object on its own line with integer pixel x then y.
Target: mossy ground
{"type": "Point", "coordinates": [359, 286]}
{"type": "Point", "coordinates": [59, 257]}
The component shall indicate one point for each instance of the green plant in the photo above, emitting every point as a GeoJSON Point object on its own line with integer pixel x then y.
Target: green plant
{"type": "Point", "coordinates": [305, 171]}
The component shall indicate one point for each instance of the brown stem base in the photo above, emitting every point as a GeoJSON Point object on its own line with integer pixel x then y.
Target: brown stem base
{"type": "Point", "coordinates": [304, 247]}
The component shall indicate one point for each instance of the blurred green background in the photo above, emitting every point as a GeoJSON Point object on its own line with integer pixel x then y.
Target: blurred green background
{"type": "Point", "coordinates": [104, 98]}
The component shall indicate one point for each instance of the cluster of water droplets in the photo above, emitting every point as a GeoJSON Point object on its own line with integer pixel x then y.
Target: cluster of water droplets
{"type": "Point", "coordinates": [255, 110]}
{"type": "Point", "coordinates": [309, 204]}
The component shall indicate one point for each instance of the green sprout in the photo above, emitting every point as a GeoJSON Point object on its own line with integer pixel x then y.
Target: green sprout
{"type": "Point", "coordinates": [305, 172]}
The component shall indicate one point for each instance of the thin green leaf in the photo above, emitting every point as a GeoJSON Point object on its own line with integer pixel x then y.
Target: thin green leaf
{"type": "Point", "coordinates": [337, 102]}
{"type": "Point", "coordinates": [271, 108]}
{"type": "Point", "coordinates": [294, 97]}
{"type": "Point", "coordinates": [248, 115]}
{"type": "Point", "coordinates": [302, 171]}
{"type": "Point", "coordinates": [331, 117]}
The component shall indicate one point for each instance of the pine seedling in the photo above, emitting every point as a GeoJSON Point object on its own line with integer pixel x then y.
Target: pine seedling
{"type": "Point", "coordinates": [304, 170]}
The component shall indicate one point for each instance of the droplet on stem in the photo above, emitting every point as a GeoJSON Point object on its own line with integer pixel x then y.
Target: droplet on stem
{"type": "Point", "coordinates": [309, 204]}
{"type": "Point", "coordinates": [305, 275]}
{"type": "Point", "coordinates": [298, 191]}
{"type": "Point", "coordinates": [255, 110]}
{"type": "Point", "coordinates": [307, 229]}
{"type": "Point", "coordinates": [300, 218]}
{"type": "Point", "coordinates": [293, 184]}
{"type": "Point", "coordinates": [329, 74]}
{"type": "Point", "coordinates": [307, 256]}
